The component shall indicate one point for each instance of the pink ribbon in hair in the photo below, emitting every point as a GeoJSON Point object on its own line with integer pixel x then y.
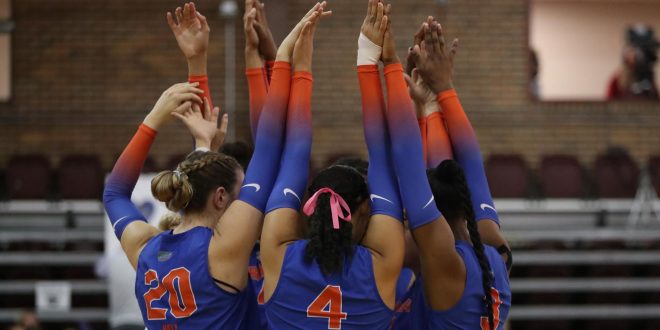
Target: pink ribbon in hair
{"type": "Point", "coordinates": [337, 206]}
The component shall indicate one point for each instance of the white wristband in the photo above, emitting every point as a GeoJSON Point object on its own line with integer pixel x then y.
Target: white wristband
{"type": "Point", "coordinates": [368, 52]}
{"type": "Point", "coordinates": [203, 149]}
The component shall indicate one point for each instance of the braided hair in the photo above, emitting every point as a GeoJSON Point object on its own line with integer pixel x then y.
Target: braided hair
{"type": "Point", "coordinates": [187, 188]}
{"type": "Point", "coordinates": [452, 196]}
{"type": "Point", "coordinates": [327, 245]}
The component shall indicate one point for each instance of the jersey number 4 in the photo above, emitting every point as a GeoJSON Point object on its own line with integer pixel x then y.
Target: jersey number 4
{"type": "Point", "coordinates": [328, 305]}
{"type": "Point", "coordinates": [177, 284]}
{"type": "Point", "coordinates": [496, 311]}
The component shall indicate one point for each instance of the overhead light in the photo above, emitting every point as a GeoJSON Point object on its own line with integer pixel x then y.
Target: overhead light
{"type": "Point", "coordinates": [228, 8]}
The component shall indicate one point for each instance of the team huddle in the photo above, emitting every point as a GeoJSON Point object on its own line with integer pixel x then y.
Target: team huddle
{"type": "Point", "coordinates": [409, 240]}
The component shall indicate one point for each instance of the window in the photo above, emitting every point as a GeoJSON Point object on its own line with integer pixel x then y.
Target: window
{"type": "Point", "coordinates": [581, 48]}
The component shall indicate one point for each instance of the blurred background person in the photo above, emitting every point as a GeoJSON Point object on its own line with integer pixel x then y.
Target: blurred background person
{"type": "Point", "coordinates": [636, 78]}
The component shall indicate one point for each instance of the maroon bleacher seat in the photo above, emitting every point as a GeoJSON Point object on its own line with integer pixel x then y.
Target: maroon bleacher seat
{"type": "Point", "coordinates": [616, 175]}
{"type": "Point", "coordinates": [561, 176]}
{"type": "Point", "coordinates": [80, 177]}
{"type": "Point", "coordinates": [508, 176]}
{"type": "Point", "coordinates": [28, 177]}
{"type": "Point", "coordinates": [654, 171]}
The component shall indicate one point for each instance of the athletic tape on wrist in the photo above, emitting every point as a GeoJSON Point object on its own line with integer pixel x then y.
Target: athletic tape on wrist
{"type": "Point", "coordinates": [368, 52]}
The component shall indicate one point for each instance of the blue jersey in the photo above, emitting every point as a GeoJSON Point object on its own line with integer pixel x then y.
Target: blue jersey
{"type": "Point", "coordinates": [402, 316]}
{"type": "Point", "coordinates": [175, 289]}
{"type": "Point", "coordinates": [256, 310]}
{"type": "Point", "coordinates": [470, 311]}
{"type": "Point", "coordinates": [305, 298]}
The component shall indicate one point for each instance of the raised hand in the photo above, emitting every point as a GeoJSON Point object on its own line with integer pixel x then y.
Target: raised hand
{"type": "Point", "coordinates": [417, 39]}
{"type": "Point", "coordinates": [433, 60]}
{"type": "Point", "coordinates": [285, 52]}
{"type": "Point", "coordinates": [191, 30]}
{"type": "Point", "coordinates": [251, 36]}
{"type": "Point", "coordinates": [267, 47]}
{"type": "Point", "coordinates": [421, 94]}
{"type": "Point", "coordinates": [178, 98]}
{"type": "Point", "coordinates": [252, 57]}
{"type": "Point", "coordinates": [376, 22]}
{"type": "Point", "coordinates": [220, 133]}
{"type": "Point", "coordinates": [389, 47]}
{"type": "Point", "coordinates": [302, 52]}
{"type": "Point", "coordinates": [202, 127]}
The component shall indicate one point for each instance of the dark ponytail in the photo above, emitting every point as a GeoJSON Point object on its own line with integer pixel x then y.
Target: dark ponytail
{"type": "Point", "coordinates": [328, 246]}
{"type": "Point", "coordinates": [452, 197]}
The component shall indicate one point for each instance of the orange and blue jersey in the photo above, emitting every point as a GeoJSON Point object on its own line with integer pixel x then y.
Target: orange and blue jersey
{"type": "Point", "coordinates": [470, 311]}
{"type": "Point", "coordinates": [306, 298]}
{"type": "Point", "coordinates": [175, 289]}
{"type": "Point", "coordinates": [256, 312]}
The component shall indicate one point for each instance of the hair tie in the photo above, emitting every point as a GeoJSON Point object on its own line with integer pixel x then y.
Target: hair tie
{"type": "Point", "coordinates": [177, 173]}
{"type": "Point", "coordinates": [337, 206]}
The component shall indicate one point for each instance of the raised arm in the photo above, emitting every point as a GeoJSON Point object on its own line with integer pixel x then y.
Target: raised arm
{"type": "Point", "coordinates": [191, 31]}
{"type": "Point", "coordinates": [437, 71]}
{"type": "Point", "coordinates": [241, 224]}
{"type": "Point", "coordinates": [260, 53]}
{"type": "Point", "coordinates": [386, 212]}
{"type": "Point", "coordinates": [281, 224]}
{"type": "Point", "coordinates": [255, 71]}
{"type": "Point", "coordinates": [439, 259]}
{"type": "Point", "coordinates": [129, 224]}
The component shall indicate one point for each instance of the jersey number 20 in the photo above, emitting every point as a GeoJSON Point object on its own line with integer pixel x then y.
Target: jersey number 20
{"type": "Point", "coordinates": [180, 306]}
{"type": "Point", "coordinates": [328, 305]}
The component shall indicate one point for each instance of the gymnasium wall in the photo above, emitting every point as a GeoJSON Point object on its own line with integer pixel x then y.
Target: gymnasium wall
{"type": "Point", "coordinates": [85, 74]}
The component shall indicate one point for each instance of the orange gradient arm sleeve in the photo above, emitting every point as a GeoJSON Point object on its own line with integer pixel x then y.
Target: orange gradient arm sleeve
{"type": "Point", "coordinates": [258, 90]}
{"type": "Point", "coordinates": [423, 128]}
{"type": "Point", "coordinates": [439, 145]}
{"type": "Point", "coordinates": [203, 85]}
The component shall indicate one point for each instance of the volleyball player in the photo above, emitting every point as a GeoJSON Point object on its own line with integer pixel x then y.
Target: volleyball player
{"type": "Point", "coordinates": [447, 134]}
{"type": "Point", "coordinates": [194, 277]}
{"type": "Point", "coordinates": [467, 286]}
{"type": "Point", "coordinates": [343, 274]}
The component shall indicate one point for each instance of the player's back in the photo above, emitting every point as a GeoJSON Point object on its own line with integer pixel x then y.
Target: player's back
{"type": "Point", "coordinates": [175, 289]}
{"type": "Point", "coordinates": [470, 311]}
{"type": "Point", "coordinates": [305, 298]}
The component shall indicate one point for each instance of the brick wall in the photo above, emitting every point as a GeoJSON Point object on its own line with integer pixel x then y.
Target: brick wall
{"type": "Point", "coordinates": [85, 74]}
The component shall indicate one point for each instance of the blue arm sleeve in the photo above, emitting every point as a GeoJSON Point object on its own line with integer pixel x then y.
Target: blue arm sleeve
{"type": "Point", "coordinates": [294, 170]}
{"type": "Point", "coordinates": [407, 151]}
{"type": "Point", "coordinates": [468, 154]}
{"type": "Point", "coordinates": [119, 187]}
{"type": "Point", "coordinates": [383, 188]}
{"type": "Point", "coordinates": [264, 165]}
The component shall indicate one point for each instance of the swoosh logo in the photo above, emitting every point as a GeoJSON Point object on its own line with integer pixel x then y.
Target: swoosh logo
{"type": "Point", "coordinates": [485, 206]}
{"type": "Point", "coordinates": [118, 221]}
{"type": "Point", "coordinates": [374, 196]}
{"type": "Point", "coordinates": [256, 186]}
{"type": "Point", "coordinates": [429, 202]}
{"type": "Point", "coordinates": [289, 191]}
